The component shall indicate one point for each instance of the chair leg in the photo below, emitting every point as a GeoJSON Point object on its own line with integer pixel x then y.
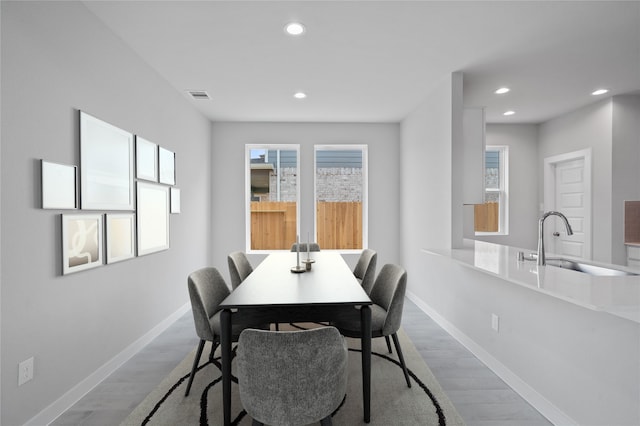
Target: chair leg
{"type": "Point", "coordinates": [396, 342]}
{"type": "Point", "coordinates": [277, 327]}
{"type": "Point", "coordinates": [214, 346]}
{"type": "Point", "coordinates": [195, 366]}
{"type": "Point", "coordinates": [388, 344]}
{"type": "Point", "coordinates": [326, 421]}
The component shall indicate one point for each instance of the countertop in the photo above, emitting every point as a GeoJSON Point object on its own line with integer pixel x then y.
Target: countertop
{"type": "Point", "coordinates": [617, 295]}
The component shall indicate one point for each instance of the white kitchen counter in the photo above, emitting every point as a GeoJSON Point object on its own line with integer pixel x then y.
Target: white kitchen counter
{"type": "Point", "coordinates": [617, 295]}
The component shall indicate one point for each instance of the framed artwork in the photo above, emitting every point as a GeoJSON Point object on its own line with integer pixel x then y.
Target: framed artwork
{"type": "Point", "coordinates": [106, 165]}
{"type": "Point", "coordinates": [175, 200]}
{"type": "Point", "coordinates": [120, 231]}
{"type": "Point", "coordinates": [167, 166]}
{"type": "Point", "coordinates": [81, 242]}
{"type": "Point", "coordinates": [152, 218]}
{"type": "Point", "coordinates": [59, 186]}
{"type": "Point", "coordinates": [146, 159]}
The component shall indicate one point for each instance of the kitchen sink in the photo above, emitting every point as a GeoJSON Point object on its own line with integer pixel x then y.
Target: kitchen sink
{"type": "Point", "coordinates": [587, 268]}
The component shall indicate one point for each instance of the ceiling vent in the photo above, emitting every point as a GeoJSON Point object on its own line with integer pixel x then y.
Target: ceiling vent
{"type": "Point", "coordinates": [199, 94]}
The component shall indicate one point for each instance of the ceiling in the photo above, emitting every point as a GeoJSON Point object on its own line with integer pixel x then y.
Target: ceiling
{"type": "Point", "coordinates": [376, 61]}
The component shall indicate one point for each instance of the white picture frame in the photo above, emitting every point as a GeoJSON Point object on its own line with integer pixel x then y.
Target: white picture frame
{"type": "Point", "coordinates": [167, 162]}
{"type": "Point", "coordinates": [81, 242]}
{"type": "Point", "coordinates": [152, 218]}
{"type": "Point", "coordinates": [59, 186]}
{"type": "Point", "coordinates": [121, 236]}
{"type": "Point", "coordinates": [146, 159]}
{"type": "Point", "coordinates": [106, 165]}
{"type": "Point", "coordinates": [175, 200]}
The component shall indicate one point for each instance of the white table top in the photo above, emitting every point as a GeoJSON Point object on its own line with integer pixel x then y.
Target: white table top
{"type": "Point", "coordinates": [617, 295]}
{"type": "Point", "coordinates": [330, 282]}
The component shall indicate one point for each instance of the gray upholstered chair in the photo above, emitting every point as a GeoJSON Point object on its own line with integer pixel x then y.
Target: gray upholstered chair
{"type": "Point", "coordinates": [303, 247]}
{"type": "Point", "coordinates": [239, 268]}
{"type": "Point", "coordinates": [387, 296]}
{"type": "Point", "coordinates": [207, 289]}
{"type": "Point", "coordinates": [291, 378]}
{"type": "Point", "coordinates": [365, 270]}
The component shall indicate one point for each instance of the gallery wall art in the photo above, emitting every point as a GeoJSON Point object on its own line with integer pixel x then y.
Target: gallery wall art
{"type": "Point", "coordinates": [175, 200]}
{"type": "Point", "coordinates": [106, 165]}
{"type": "Point", "coordinates": [152, 217]}
{"type": "Point", "coordinates": [59, 186]}
{"type": "Point", "coordinates": [146, 160]}
{"type": "Point", "coordinates": [121, 237]}
{"type": "Point", "coordinates": [128, 180]}
{"type": "Point", "coordinates": [167, 166]}
{"type": "Point", "coordinates": [81, 242]}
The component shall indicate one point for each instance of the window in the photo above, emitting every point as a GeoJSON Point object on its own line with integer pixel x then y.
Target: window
{"type": "Point", "coordinates": [341, 196]}
{"type": "Point", "coordinates": [491, 218]}
{"type": "Point", "coordinates": [272, 196]}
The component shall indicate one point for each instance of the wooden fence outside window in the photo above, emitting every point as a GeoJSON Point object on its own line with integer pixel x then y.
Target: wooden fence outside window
{"type": "Point", "coordinates": [486, 217]}
{"type": "Point", "coordinates": [273, 225]}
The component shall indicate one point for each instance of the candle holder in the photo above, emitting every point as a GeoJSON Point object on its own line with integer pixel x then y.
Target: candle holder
{"type": "Point", "coordinates": [309, 260]}
{"type": "Point", "coordinates": [298, 269]}
{"type": "Point", "coordinates": [307, 264]}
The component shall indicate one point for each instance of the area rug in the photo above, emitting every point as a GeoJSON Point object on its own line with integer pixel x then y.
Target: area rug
{"type": "Point", "coordinates": [392, 402]}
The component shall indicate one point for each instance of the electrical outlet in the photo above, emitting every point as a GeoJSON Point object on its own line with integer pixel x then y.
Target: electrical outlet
{"type": "Point", "coordinates": [25, 371]}
{"type": "Point", "coordinates": [495, 322]}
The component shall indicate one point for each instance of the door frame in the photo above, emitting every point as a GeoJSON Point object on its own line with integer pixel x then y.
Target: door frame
{"type": "Point", "coordinates": [550, 188]}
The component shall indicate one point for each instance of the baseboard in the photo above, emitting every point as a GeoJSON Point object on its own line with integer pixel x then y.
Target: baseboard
{"type": "Point", "coordinates": [67, 400]}
{"type": "Point", "coordinates": [539, 402]}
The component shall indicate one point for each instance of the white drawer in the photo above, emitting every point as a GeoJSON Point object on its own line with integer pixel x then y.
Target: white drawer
{"type": "Point", "coordinates": [633, 252]}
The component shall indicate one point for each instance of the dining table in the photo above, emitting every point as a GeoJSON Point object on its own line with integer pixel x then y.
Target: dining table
{"type": "Point", "coordinates": [277, 291]}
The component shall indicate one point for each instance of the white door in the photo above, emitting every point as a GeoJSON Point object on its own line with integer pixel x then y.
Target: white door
{"type": "Point", "coordinates": [571, 195]}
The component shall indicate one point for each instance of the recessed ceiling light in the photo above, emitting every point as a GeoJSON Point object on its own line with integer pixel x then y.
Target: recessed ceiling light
{"type": "Point", "coordinates": [600, 92]}
{"type": "Point", "coordinates": [509, 113]}
{"type": "Point", "coordinates": [299, 95]}
{"type": "Point", "coordinates": [502, 91]}
{"type": "Point", "coordinates": [294, 28]}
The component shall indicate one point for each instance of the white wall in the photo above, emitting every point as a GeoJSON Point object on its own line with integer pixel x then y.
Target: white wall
{"type": "Point", "coordinates": [626, 170]}
{"type": "Point", "coordinates": [426, 181]}
{"type": "Point", "coordinates": [588, 127]}
{"type": "Point", "coordinates": [0, 217]}
{"type": "Point", "coordinates": [611, 128]}
{"type": "Point", "coordinates": [228, 151]}
{"type": "Point", "coordinates": [58, 58]}
{"type": "Point", "coordinates": [522, 140]}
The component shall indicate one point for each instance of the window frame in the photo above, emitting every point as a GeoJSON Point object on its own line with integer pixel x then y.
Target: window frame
{"type": "Point", "coordinates": [365, 190]}
{"type": "Point", "coordinates": [503, 191]}
{"type": "Point", "coordinates": [247, 189]}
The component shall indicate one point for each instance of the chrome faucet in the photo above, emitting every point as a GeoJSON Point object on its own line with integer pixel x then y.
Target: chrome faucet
{"type": "Point", "coordinates": [541, 257]}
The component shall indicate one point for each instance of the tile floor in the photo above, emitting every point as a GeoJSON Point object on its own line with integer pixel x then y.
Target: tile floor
{"type": "Point", "coordinates": [480, 396]}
